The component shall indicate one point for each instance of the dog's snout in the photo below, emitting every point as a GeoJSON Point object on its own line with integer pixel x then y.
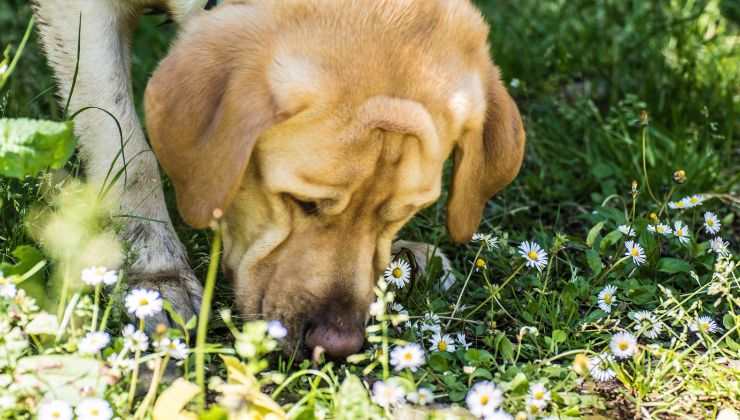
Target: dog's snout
{"type": "Point", "coordinates": [338, 342]}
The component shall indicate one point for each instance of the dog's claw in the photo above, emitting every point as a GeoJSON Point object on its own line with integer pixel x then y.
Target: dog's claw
{"type": "Point", "coordinates": [181, 289]}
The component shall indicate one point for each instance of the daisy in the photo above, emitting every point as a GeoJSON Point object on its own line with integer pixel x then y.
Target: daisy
{"type": "Point", "coordinates": [499, 415]}
{"type": "Point", "coordinates": [678, 205]}
{"type": "Point", "coordinates": [703, 325]}
{"type": "Point", "coordinates": [93, 276]}
{"type": "Point", "coordinates": [480, 264]}
{"type": "Point", "coordinates": [719, 246]}
{"type": "Point", "coordinates": [134, 339]}
{"type": "Point", "coordinates": [377, 308]}
{"type": "Point", "coordinates": [600, 367]}
{"type": "Point", "coordinates": [694, 200]}
{"type": "Point", "coordinates": [172, 347]}
{"type": "Point", "coordinates": [276, 330]}
{"type": "Point", "coordinates": [635, 251]}
{"type": "Point", "coordinates": [7, 287]}
{"type": "Point", "coordinates": [93, 409]}
{"type": "Point", "coordinates": [120, 363]}
{"type": "Point", "coordinates": [538, 392]}
{"type": "Point", "coordinates": [490, 241]}
{"type": "Point", "coordinates": [711, 223]}
{"type": "Point", "coordinates": [387, 394]}
{"type": "Point", "coordinates": [647, 324]}
{"type": "Point", "coordinates": [43, 323]}
{"type": "Point", "coordinates": [398, 273]}
{"type": "Point", "coordinates": [442, 343]}
{"type": "Point", "coordinates": [534, 255]}
{"type": "Point", "coordinates": [623, 345]}
{"type": "Point", "coordinates": [484, 398]}
{"type": "Point", "coordinates": [55, 410]}
{"type": "Point", "coordinates": [93, 342]}
{"type": "Point", "coordinates": [410, 356]}
{"type": "Point", "coordinates": [607, 298]}
{"type": "Point", "coordinates": [626, 230]}
{"type": "Point", "coordinates": [533, 407]}
{"type": "Point", "coordinates": [660, 228]}
{"type": "Point", "coordinates": [430, 322]}
{"type": "Point", "coordinates": [422, 396]}
{"type": "Point", "coordinates": [143, 303]}
{"type": "Point", "coordinates": [681, 232]}
{"type": "Point", "coordinates": [462, 340]}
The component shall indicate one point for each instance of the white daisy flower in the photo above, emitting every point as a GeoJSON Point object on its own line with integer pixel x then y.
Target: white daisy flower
{"type": "Point", "coordinates": [694, 200]}
{"type": "Point", "coordinates": [55, 410]}
{"type": "Point", "coordinates": [623, 345]}
{"type": "Point", "coordinates": [422, 396]}
{"type": "Point", "coordinates": [681, 232]}
{"type": "Point", "coordinates": [462, 341]}
{"type": "Point", "coordinates": [276, 330]}
{"type": "Point", "coordinates": [539, 392]}
{"type": "Point", "coordinates": [635, 251]}
{"type": "Point", "coordinates": [704, 325]}
{"type": "Point", "coordinates": [626, 230]}
{"type": "Point", "coordinates": [7, 402]}
{"type": "Point", "coordinates": [660, 228]}
{"type": "Point", "coordinates": [7, 287]}
{"type": "Point", "coordinates": [387, 394]}
{"type": "Point", "coordinates": [398, 273]}
{"type": "Point", "coordinates": [377, 308]}
{"type": "Point", "coordinates": [93, 342]}
{"type": "Point", "coordinates": [410, 356]}
{"type": "Point", "coordinates": [442, 343]}
{"type": "Point", "coordinates": [600, 367]}
{"type": "Point", "coordinates": [93, 409]}
{"type": "Point", "coordinates": [93, 276]}
{"type": "Point", "coordinates": [120, 363]}
{"type": "Point", "coordinates": [430, 322]}
{"type": "Point", "coordinates": [174, 347]}
{"type": "Point", "coordinates": [490, 241]}
{"type": "Point", "coordinates": [647, 324]}
{"type": "Point", "coordinates": [143, 303]}
{"type": "Point", "coordinates": [711, 223]}
{"type": "Point", "coordinates": [534, 255]}
{"type": "Point", "coordinates": [719, 246]}
{"type": "Point", "coordinates": [134, 339]}
{"type": "Point", "coordinates": [499, 415]}
{"type": "Point", "coordinates": [43, 323]}
{"type": "Point", "coordinates": [607, 298]}
{"type": "Point", "coordinates": [533, 407]}
{"type": "Point", "coordinates": [679, 205]}
{"type": "Point", "coordinates": [484, 398]}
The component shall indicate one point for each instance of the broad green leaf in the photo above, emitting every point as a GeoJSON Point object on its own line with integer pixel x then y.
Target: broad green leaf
{"type": "Point", "coordinates": [593, 233]}
{"type": "Point", "coordinates": [559, 336]}
{"type": "Point", "coordinates": [27, 257]}
{"type": "Point", "coordinates": [28, 146]}
{"type": "Point", "coordinates": [594, 261]}
{"type": "Point", "coordinates": [438, 362]}
{"type": "Point", "coordinates": [610, 239]}
{"type": "Point", "coordinates": [728, 321]}
{"type": "Point", "coordinates": [673, 265]}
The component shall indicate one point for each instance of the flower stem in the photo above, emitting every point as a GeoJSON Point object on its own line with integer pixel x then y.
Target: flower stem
{"type": "Point", "coordinates": [205, 309]}
{"type": "Point", "coordinates": [465, 284]}
{"type": "Point", "coordinates": [95, 307]}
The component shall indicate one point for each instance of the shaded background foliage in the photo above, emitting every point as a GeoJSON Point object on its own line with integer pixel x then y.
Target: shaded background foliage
{"type": "Point", "coordinates": [581, 71]}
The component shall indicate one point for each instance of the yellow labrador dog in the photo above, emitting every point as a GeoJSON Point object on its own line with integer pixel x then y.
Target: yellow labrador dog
{"type": "Point", "coordinates": [319, 128]}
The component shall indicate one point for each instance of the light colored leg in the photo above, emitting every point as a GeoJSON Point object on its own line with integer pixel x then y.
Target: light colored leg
{"type": "Point", "coordinates": [104, 82]}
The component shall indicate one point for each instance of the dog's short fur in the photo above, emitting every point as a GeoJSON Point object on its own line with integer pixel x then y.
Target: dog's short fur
{"type": "Point", "coordinates": [319, 127]}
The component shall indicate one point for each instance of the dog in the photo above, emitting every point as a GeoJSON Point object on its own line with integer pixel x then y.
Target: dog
{"type": "Point", "coordinates": [318, 128]}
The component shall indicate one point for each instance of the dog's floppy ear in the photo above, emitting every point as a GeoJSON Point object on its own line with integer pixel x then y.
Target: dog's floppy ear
{"type": "Point", "coordinates": [206, 105]}
{"type": "Point", "coordinates": [486, 159]}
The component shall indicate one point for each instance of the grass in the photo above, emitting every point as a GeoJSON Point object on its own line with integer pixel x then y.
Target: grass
{"type": "Point", "coordinates": [612, 92]}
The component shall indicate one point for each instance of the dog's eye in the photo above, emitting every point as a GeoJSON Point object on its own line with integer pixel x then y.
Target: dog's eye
{"type": "Point", "coordinates": [309, 207]}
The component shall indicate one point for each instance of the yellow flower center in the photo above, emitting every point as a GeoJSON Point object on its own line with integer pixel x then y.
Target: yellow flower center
{"type": "Point", "coordinates": [608, 299]}
{"type": "Point", "coordinates": [539, 395]}
{"type": "Point", "coordinates": [95, 412]}
{"type": "Point", "coordinates": [484, 400]}
{"type": "Point", "coordinates": [660, 229]}
{"type": "Point", "coordinates": [442, 345]}
{"type": "Point", "coordinates": [679, 232]}
{"type": "Point", "coordinates": [480, 263]}
{"type": "Point", "coordinates": [693, 200]}
{"type": "Point", "coordinates": [397, 273]}
{"type": "Point", "coordinates": [532, 255]}
{"type": "Point", "coordinates": [143, 301]}
{"type": "Point", "coordinates": [710, 222]}
{"type": "Point", "coordinates": [635, 252]}
{"type": "Point", "coordinates": [624, 346]}
{"type": "Point", "coordinates": [704, 326]}
{"type": "Point", "coordinates": [408, 357]}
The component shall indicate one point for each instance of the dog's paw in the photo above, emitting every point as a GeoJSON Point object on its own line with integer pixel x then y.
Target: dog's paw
{"type": "Point", "coordinates": [423, 254]}
{"type": "Point", "coordinates": [181, 289]}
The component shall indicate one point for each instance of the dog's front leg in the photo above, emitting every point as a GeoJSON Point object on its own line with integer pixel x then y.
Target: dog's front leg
{"type": "Point", "coordinates": [105, 26]}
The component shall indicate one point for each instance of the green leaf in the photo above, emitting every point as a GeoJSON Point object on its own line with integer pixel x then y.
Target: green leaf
{"type": "Point", "coordinates": [28, 146]}
{"type": "Point", "coordinates": [610, 239]}
{"type": "Point", "coordinates": [593, 233]}
{"type": "Point", "coordinates": [594, 261]}
{"type": "Point", "coordinates": [728, 321]}
{"type": "Point", "coordinates": [559, 336]}
{"type": "Point", "coordinates": [438, 362]}
{"type": "Point", "coordinates": [673, 265]}
{"type": "Point", "coordinates": [27, 257]}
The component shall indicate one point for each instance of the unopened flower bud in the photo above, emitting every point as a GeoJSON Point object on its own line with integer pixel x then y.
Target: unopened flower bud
{"type": "Point", "coordinates": [654, 217]}
{"type": "Point", "coordinates": [679, 176]}
{"type": "Point", "coordinates": [644, 117]}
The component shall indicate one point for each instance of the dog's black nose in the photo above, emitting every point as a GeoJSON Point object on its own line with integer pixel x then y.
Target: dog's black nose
{"type": "Point", "coordinates": [337, 342]}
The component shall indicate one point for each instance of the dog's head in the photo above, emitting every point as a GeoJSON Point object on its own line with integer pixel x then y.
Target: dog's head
{"type": "Point", "coordinates": [320, 127]}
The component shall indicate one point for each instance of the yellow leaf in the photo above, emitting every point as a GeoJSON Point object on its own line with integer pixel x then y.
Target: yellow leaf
{"type": "Point", "coordinates": [174, 399]}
